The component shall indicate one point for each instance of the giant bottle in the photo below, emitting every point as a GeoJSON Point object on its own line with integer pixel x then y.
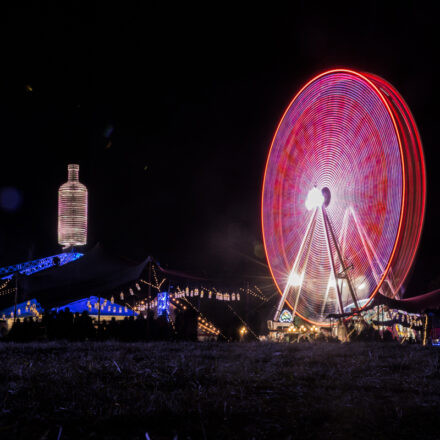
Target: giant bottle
{"type": "Point", "coordinates": [72, 210]}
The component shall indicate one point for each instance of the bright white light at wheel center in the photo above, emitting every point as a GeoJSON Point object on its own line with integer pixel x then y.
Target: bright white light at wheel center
{"type": "Point", "coordinates": [314, 199]}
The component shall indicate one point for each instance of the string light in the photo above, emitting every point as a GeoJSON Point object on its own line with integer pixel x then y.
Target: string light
{"type": "Point", "coordinates": [156, 286]}
{"type": "Point", "coordinates": [5, 284]}
{"type": "Point", "coordinates": [7, 291]}
{"type": "Point", "coordinates": [201, 316]}
{"type": "Point", "coordinates": [216, 294]}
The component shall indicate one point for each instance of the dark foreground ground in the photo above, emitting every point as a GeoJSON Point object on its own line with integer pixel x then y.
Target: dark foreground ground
{"type": "Point", "coordinates": [195, 390]}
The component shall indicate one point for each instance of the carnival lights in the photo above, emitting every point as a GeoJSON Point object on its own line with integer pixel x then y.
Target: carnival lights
{"type": "Point", "coordinates": [343, 196]}
{"type": "Point", "coordinates": [33, 266]}
{"type": "Point", "coordinates": [72, 210]}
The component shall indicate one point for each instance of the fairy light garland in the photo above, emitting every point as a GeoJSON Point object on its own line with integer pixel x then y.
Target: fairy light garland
{"type": "Point", "coordinates": [203, 317]}
{"type": "Point", "coordinates": [249, 291]}
{"type": "Point", "coordinates": [5, 284]}
{"type": "Point", "coordinates": [7, 291]}
{"type": "Point", "coordinates": [156, 286]}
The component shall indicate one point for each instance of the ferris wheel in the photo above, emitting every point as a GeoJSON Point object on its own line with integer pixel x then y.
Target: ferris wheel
{"type": "Point", "coordinates": [343, 196]}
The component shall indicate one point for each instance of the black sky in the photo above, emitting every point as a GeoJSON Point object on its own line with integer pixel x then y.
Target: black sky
{"type": "Point", "coordinates": [169, 110]}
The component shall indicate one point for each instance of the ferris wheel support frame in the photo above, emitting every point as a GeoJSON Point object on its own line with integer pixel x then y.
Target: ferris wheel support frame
{"type": "Point", "coordinates": [332, 261]}
{"type": "Point", "coordinates": [310, 227]}
{"type": "Point", "coordinates": [305, 264]}
{"type": "Point", "coordinates": [330, 236]}
{"type": "Point", "coordinates": [343, 274]}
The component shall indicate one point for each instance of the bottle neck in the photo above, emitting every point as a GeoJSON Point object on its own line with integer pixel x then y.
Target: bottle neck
{"type": "Point", "coordinates": [72, 174]}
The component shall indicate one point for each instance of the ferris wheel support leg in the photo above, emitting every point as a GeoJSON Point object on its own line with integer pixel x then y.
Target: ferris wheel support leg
{"type": "Point", "coordinates": [343, 242]}
{"type": "Point", "coordinates": [341, 261]}
{"type": "Point", "coordinates": [309, 246]}
{"type": "Point", "coordinates": [332, 263]}
{"type": "Point", "coordinates": [309, 231]}
{"type": "Point", "coordinates": [326, 296]}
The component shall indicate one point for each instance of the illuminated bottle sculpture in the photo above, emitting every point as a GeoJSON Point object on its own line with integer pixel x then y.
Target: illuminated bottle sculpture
{"type": "Point", "coordinates": [72, 210]}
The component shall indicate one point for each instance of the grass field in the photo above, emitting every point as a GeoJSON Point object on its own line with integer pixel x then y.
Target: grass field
{"type": "Point", "coordinates": [202, 390]}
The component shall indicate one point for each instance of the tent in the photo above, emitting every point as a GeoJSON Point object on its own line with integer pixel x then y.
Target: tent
{"type": "Point", "coordinates": [97, 272]}
{"type": "Point", "coordinates": [416, 304]}
{"type": "Point", "coordinates": [91, 305]}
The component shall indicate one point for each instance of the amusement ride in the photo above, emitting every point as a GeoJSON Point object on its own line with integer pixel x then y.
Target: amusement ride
{"type": "Point", "coordinates": [343, 197]}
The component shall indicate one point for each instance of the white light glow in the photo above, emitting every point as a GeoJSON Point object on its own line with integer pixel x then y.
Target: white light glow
{"type": "Point", "coordinates": [314, 199]}
{"type": "Point", "coordinates": [362, 285]}
{"type": "Point", "coordinates": [295, 279]}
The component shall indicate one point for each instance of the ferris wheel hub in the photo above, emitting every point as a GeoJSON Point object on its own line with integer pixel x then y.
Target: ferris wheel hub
{"type": "Point", "coordinates": [327, 196]}
{"type": "Point", "coordinates": [315, 199]}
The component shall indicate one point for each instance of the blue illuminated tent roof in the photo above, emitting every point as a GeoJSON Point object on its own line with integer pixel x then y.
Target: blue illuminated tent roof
{"type": "Point", "coordinates": [24, 310]}
{"type": "Point", "coordinates": [97, 272]}
{"type": "Point", "coordinates": [33, 266]}
{"type": "Point", "coordinates": [29, 308]}
{"type": "Point", "coordinates": [91, 305]}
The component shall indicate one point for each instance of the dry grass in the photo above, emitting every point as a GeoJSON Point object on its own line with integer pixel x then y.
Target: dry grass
{"type": "Point", "coordinates": [190, 390]}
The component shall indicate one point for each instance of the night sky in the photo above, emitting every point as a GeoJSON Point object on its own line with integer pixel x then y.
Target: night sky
{"type": "Point", "coordinates": [170, 110]}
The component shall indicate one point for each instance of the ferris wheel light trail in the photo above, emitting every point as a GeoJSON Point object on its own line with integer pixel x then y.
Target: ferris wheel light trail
{"type": "Point", "coordinates": [369, 247]}
{"type": "Point", "coordinates": [343, 197]}
{"type": "Point", "coordinates": [366, 248]}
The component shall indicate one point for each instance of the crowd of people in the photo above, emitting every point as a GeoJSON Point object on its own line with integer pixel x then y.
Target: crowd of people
{"type": "Point", "coordinates": [66, 325]}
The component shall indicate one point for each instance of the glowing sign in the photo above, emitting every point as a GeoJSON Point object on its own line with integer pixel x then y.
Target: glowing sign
{"type": "Point", "coordinates": [286, 316]}
{"type": "Point", "coordinates": [72, 210]}
{"type": "Point", "coordinates": [163, 304]}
